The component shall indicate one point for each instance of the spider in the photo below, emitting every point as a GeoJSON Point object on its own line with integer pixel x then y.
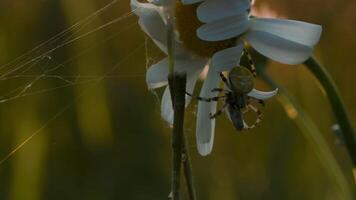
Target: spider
{"type": "Point", "coordinates": [239, 83]}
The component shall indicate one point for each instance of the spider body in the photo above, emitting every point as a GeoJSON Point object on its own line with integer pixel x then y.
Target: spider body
{"type": "Point", "coordinates": [240, 80]}
{"type": "Point", "coordinates": [240, 83]}
{"type": "Point", "coordinates": [235, 104]}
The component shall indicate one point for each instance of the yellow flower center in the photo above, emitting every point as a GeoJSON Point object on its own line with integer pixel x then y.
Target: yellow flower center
{"type": "Point", "coordinates": [187, 23]}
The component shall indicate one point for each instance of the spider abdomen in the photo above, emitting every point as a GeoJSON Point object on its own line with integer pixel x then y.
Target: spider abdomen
{"type": "Point", "coordinates": [236, 117]}
{"type": "Point", "coordinates": [241, 80]}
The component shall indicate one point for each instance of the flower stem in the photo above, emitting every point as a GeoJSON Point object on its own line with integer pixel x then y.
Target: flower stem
{"type": "Point", "coordinates": [170, 35]}
{"type": "Point", "coordinates": [177, 84]}
{"type": "Point", "coordinates": [337, 105]}
{"type": "Point", "coordinates": [187, 167]}
{"type": "Point", "coordinates": [312, 135]}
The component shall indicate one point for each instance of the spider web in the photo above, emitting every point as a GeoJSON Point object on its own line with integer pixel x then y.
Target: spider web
{"type": "Point", "coordinates": [39, 64]}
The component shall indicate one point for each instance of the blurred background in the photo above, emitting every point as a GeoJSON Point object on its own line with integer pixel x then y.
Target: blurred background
{"type": "Point", "coordinates": [77, 120]}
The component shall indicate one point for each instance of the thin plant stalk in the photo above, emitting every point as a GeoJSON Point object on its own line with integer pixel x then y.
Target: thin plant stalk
{"type": "Point", "coordinates": [187, 167]}
{"type": "Point", "coordinates": [169, 11]}
{"type": "Point", "coordinates": [313, 136]}
{"type": "Point", "coordinates": [177, 85]}
{"type": "Point", "coordinates": [178, 115]}
{"type": "Point", "coordinates": [337, 105]}
{"type": "Point", "coordinates": [170, 46]}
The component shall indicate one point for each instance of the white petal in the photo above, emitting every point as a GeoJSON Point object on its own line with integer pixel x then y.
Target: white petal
{"type": "Point", "coordinates": [167, 112]}
{"type": "Point", "coordinates": [187, 2]}
{"type": "Point", "coordinates": [191, 81]}
{"type": "Point", "coordinates": [157, 74]}
{"type": "Point", "coordinates": [226, 59]}
{"type": "Point", "coordinates": [262, 95]}
{"type": "Point", "coordinates": [152, 24]}
{"type": "Point", "coordinates": [205, 125]}
{"type": "Point", "coordinates": [296, 31]}
{"type": "Point", "coordinates": [277, 48]}
{"type": "Point", "coordinates": [212, 10]}
{"type": "Point", "coordinates": [160, 2]}
{"type": "Point", "coordinates": [223, 29]}
{"type": "Point", "coordinates": [142, 8]}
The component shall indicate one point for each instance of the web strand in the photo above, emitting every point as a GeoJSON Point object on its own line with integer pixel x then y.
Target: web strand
{"type": "Point", "coordinates": [68, 106]}
{"type": "Point", "coordinates": [61, 34]}
{"type": "Point", "coordinates": [22, 65]}
{"type": "Point", "coordinates": [36, 60]}
{"type": "Point", "coordinates": [67, 43]}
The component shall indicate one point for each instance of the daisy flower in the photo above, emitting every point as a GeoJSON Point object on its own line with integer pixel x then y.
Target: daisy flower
{"type": "Point", "coordinates": [215, 32]}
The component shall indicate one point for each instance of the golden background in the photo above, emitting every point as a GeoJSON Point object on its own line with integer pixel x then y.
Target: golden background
{"type": "Point", "coordinates": [94, 130]}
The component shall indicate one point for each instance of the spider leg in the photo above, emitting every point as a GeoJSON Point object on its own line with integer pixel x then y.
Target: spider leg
{"type": "Point", "coordinates": [251, 99]}
{"type": "Point", "coordinates": [259, 117]}
{"type": "Point", "coordinates": [219, 112]}
{"type": "Point", "coordinates": [219, 90]}
{"type": "Point", "coordinates": [223, 78]}
{"type": "Point", "coordinates": [250, 60]}
{"type": "Point", "coordinates": [263, 103]}
{"type": "Point", "coordinates": [217, 98]}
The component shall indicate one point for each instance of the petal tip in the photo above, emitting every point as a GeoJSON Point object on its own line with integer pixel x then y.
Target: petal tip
{"type": "Point", "coordinates": [204, 149]}
{"type": "Point", "coordinates": [167, 112]}
{"type": "Point", "coordinates": [263, 95]}
{"type": "Point", "coordinates": [168, 117]}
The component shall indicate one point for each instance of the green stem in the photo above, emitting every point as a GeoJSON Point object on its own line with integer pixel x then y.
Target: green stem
{"type": "Point", "coordinates": [188, 174]}
{"type": "Point", "coordinates": [313, 135]}
{"type": "Point", "coordinates": [174, 81]}
{"type": "Point", "coordinates": [337, 105]}
{"type": "Point", "coordinates": [170, 37]}
{"type": "Point", "coordinates": [177, 84]}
